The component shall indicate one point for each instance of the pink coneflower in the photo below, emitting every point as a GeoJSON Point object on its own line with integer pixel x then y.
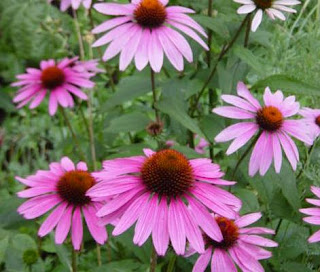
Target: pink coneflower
{"type": "Point", "coordinates": [75, 4]}
{"type": "Point", "coordinates": [273, 8]}
{"type": "Point", "coordinates": [145, 30]}
{"type": "Point", "coordinates": [201, 146]}
{"type": "Point", "coordinates": [240, 246]}
{"type": "Point", "coordinates": [312, 120]}
{"type": "Point", "coordinates": [62, 188]}
{"type": "Point", "coordinates": [314, 214]}
{"type": "Point", "coordinates": [270, 121]}
{"type": "Point", "coordinates": [154, 191]}
{"type": "Point", "coordinates": [89, 66]}
{"type": "Point", "coordinates": [59, 79]}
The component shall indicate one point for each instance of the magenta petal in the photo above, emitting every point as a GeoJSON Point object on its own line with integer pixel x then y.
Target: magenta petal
{"type": "Point", "coordinates": [98, 233]}
{"type": "Point", "coordinates": [176, 228]}
{"type": "Point", "coordinates": [160, 233]}
{"type": "Point", "coordinates": [204, 219]}
{"type": "Point", "coordinates": [221, 262]}
{"type": "Point", "coordinates": [131, 214]}
{"type": "Point", "coordinates": [257, 240]}
{"type": "Point", "coordinates": [315, 237]}
{"type": "Point", "coordinates": [52, 220]}
{"type": "Point", "coordinates": [203, 261]}
{"type": "Point", "coordinates": [63, 226]}
{"type": "Point", "coordinates": [146, 221]}
{"type": "Point", "coordinates": [248, 219]}
{"type": "Point", "coordinates": [193, 232]}
{"type": "Point", "coordinates": [77, 229]}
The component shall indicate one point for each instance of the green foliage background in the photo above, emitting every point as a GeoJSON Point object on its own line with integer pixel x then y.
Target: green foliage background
{"type": "Point", "coordinates": [280, 55]}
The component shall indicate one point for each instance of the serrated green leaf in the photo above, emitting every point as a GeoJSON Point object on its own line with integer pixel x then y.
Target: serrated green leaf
{"type": "Point", "coordinates": [287, 84]}
{"type": "Point", "coordinates": [249, 58]}
{"type": "Point", "coordinates": [131, 122]}
{"type": "Point", "coordinates": [174, 105]}
{"type": "Point", "coordinates": [215, 24]}
{"type": "Point", "coordinates": [128, 89]}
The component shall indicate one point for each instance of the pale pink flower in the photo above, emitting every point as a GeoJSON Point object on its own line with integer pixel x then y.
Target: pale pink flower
{"type": "Point", "coordinates": [168, 195]}
{"type": "Point", "coordinates": [61, 79]}
{"type": "Point", "coordinates": [312, 120]}
{"type": "Point", "coordinates": [62, 189]}
{"type": "Point", "coordinates": [270, 121]}
{"type": "Point", "coordinates": [201, 146]}
{"type": "Point", "coordinates": [314, 214]}
{"type": "Point", "coordinates": [145, 30]}
{"type": "Point", "coordinates": [75, 4]}
{"type": "Point", "coordinates": [240, 246]}
{"type": "Point", "coordinates": [273, 8]}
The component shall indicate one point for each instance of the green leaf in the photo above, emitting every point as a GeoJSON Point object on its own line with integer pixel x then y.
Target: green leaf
{"type": "Point", "coordinates": [211, 125]}
{"type": "Point", "coordinates": [3, 247]}
{"type": "Point", "coordinates": [62, 253]}
{"type": "Point", "coordinates": [217, 25]}
{"type": "Point", "coordinates": [287, 84]}
{"type": "Point", "coordinates": [128, 89]}
{"type": "Point", "coordinates": [174, 105]}
{"type": "Point", "coordinates": [120, 266]}
{"type": "Point", "coordinates": [249, 201]}
{"type": "Point", "coordinates": [188, 87]}
{"type": "Point", "coordinates": [131, 122]}
{"type": "Point", "coordinates": [249, 58]}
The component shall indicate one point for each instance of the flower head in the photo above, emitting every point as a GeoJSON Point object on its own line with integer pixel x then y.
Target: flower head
{"type": "Point", "coordinates": [273, 8]}
{"type": "Point", "coordinates": [269, 123]}
{"type": "Point", "coordinates": [168, 195]}
{"type": "Point", "coordinates": [60, 79]}
{"type": "Point", "coordinates": [62, 189]}
{"type": "Point", "coordinates": [312, 120]}
{"type": "Point", "coordinates": [240, 246]}
{"type": "Point", "coordinates": [75, 4]}
{"type": "Point", "coordinates": [145, 30]}
{"type": "Point", "coordinates": [313, 214]}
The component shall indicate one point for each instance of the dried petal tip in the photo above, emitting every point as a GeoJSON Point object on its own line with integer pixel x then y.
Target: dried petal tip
{"type": "Point", "coordinates": [155, 128]}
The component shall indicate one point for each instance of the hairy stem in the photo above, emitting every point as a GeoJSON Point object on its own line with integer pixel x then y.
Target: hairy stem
{"type": "Point", "coordinates": [309, 154]}
{"type": "Point", "coordinates": [78, 31]}
{"type": "Point", "coordinates": [153, 86]}
{"type": "Point", "coordinates": [74, 260]}
{"type": "Point", "coordinates": [153, 260]}
{"type": "Point", "coordinates": [73, 134]}
{"type": "Point", "coordinates": [171, 263]}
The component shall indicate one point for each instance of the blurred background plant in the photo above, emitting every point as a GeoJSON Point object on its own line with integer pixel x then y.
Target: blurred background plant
{"type": "Point", "coordinates": [282, 55]}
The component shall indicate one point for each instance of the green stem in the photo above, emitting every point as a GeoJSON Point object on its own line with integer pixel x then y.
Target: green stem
{"type": "Point", "coordinates": [171, 263]}
{"type": "Point", "coordinates": [153, 260]}
{"type": "Point", "coordinates": [244, 155]}
{"type": "Point", "coordinates": [223, 52]}
{"type": "Point", "coordinates": [309, 154]}
{"type": "Point", "coordinates": [78, 31]}
{"type": "Point", "coordinates": [74, 260]}
{"type": "Point", "coordinates": [154, 95]}
{"type": "Point", "coordinates": [74, 136]}
{"type": "Point", "coordinates": [248, 30]}
{"type": "Point", "coordinates": [99, 254]}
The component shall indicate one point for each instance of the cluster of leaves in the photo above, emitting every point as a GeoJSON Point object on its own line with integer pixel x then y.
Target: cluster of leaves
{"type": "Point", "coordinates": [280, 56]}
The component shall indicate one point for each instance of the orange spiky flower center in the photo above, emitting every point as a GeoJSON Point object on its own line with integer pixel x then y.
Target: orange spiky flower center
{"type": "Point", "coordinates": [73, 185]}
{"type": "Point", "coordinates": [318, 120]}
{"type": "Point", "coordinates": [269, 118]}
{"type": "Point", "coordinates": [167, 173]}
{"type": "Point", "coordinates": [230, 233]}
{"type": "Point", "coordinates": [150, 13]}
{"type": "Point", "coordinates": [263, 4]}
{"type": "Point", "coordinates": [52, 77]}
